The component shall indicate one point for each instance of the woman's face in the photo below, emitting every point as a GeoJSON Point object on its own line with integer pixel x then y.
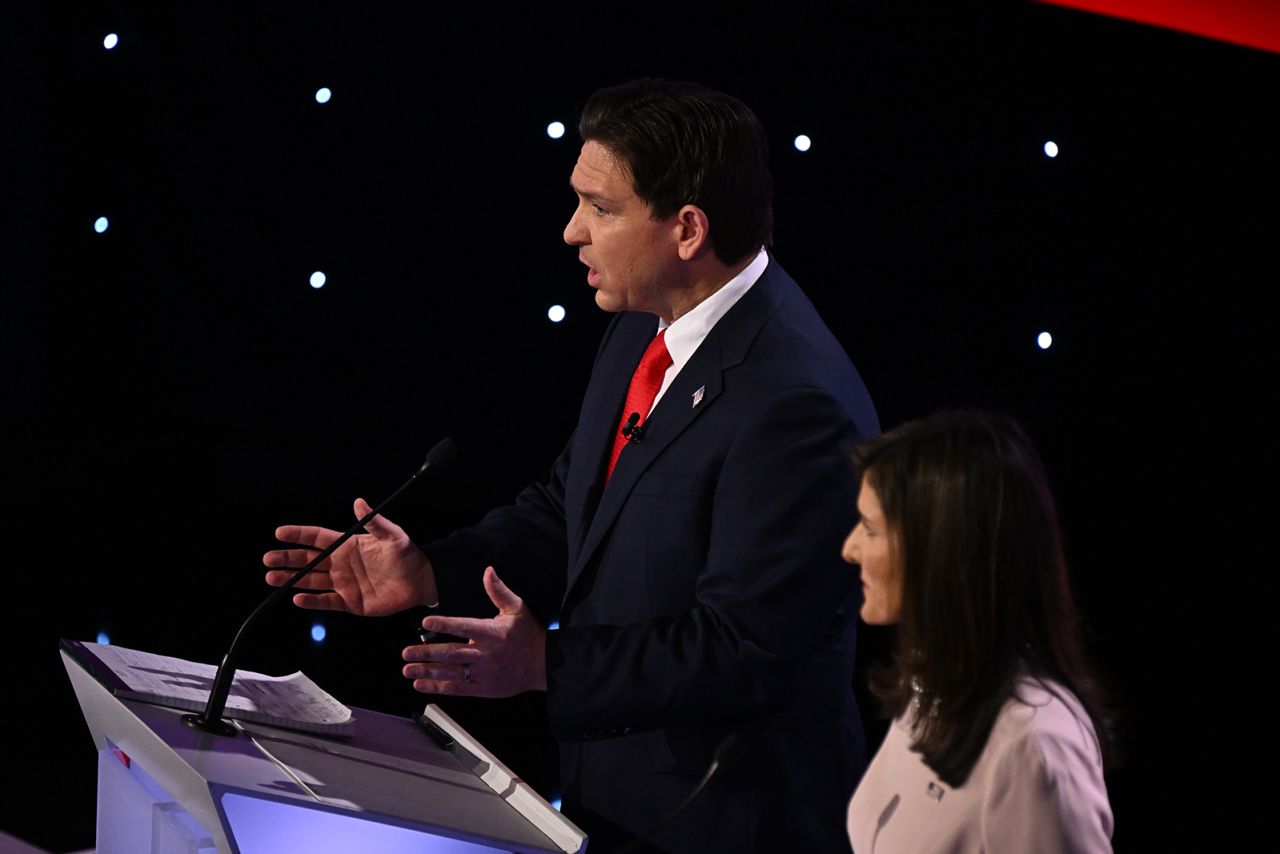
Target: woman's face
{"type": "Point", "coordinates": [868, 545]}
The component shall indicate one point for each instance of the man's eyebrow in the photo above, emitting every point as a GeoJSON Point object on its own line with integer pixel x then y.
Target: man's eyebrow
{"type": "Point", "coordinates": [589, 196]}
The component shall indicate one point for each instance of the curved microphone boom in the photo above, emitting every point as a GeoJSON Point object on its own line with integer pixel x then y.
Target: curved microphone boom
{"type": "Point", "coordinates": [725, 755]}
{"type": "Point", "coordinates": [210, 720]}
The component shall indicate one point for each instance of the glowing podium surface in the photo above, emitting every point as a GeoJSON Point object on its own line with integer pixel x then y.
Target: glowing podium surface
{"type": "Point", "coordinates": [389, 788]}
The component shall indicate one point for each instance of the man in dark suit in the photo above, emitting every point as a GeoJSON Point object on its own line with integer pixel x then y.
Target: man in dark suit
{"type": "Point", "coordinates": [689, 535]}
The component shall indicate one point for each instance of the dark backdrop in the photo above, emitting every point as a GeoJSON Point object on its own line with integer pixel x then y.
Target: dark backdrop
{"type": "Point", "coordinates": [175, 389]}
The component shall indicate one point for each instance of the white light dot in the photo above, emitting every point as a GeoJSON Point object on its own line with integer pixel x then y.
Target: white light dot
{"type": "Point", "coordinates": [1051, 149]}
{"type": "Point", "coordinates": [556, 313]}
{"type": "Point", "coordinates": [555, 804]}
{"type": "Point", "coordinates": [318, 279]}
{"type": "Point", "coordinates": [555, 130]}
{"type": "Point", "coordinates": [100, 224]}
{"type": "Point", "coordinates": [1045, 340]}
{"type": "Point", "coordinates": [318, 633]}
{"type": "Point", "coordinates": [110, 41]}
{"type": "Point", "coordinates": [554, 625]}
{"type": "Point", "coordinates": [323, 94]}
{"type": "Point", "coordinates": [103, 638]}
{"type": "Point", "coordinates": [803, 143]}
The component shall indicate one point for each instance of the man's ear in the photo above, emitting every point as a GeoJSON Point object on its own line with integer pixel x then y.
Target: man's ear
{"type": "Point", "coordinates": [693, 232]}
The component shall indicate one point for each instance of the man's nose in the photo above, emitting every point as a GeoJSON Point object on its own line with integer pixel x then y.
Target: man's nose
{"type": "Point", "coordinates": [574, 233]}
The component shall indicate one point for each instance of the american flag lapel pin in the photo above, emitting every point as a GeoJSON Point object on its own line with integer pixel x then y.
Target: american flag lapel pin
{"type": "Point", "coordinates": [697, 395]}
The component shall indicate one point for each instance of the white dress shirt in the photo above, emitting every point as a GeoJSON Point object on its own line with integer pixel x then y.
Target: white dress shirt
{"type": "Point", "coordinates": [688, 331]}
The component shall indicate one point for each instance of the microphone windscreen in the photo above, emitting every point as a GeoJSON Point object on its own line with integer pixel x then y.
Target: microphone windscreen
{"type": "Point", "coordinates": [728, 750]}
{"type": "Point", "coordinates": [443, 455]}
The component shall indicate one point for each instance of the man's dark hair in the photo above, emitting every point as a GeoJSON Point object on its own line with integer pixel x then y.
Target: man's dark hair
{"type": "Point", "coordinates": [686, 144]}
{"type": "Point", "coordinates": [985, 592]}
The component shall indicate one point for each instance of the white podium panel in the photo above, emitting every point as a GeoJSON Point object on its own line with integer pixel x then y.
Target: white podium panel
{"type": "Point", "coordinates": [135, 814]}
{"type": "Point", "coordinates": [164, 787]}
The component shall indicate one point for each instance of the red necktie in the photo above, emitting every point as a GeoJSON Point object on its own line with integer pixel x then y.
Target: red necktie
{"type": "Point", "coordinates": [645, 383]}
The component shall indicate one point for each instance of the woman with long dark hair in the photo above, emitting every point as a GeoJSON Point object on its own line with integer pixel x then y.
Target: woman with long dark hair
{"type": "Point", "coordinates": [999, 738]}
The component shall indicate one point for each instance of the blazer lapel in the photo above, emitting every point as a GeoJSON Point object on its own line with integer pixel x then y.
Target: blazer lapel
{"type": "Point", "coordinates": [601, 408]}
{"type": "Point", "coordinates": [693, 392]}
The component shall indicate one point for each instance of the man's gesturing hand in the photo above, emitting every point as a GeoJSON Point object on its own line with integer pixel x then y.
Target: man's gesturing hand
{"type": "Point", "coordinates": [381, 572]}
{"type": "Point", "coordinates": [503, 656]}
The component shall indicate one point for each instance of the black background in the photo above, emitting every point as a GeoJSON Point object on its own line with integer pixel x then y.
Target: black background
{"type": "Point", "coordinates": [175, 389]}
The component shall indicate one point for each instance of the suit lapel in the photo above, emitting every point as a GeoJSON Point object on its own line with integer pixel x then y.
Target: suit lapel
{"type": "Point", "coordinates": [601, 408]}
{"type": "Point", "coordinates": [694, 391]}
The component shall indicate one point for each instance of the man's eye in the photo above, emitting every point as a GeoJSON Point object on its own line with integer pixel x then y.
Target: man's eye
{"type": "Point", "coordinates": [599, 210]}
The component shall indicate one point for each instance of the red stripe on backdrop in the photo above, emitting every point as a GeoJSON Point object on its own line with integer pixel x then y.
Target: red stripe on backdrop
{"type": "Point", "coordinates": [1253, 23]}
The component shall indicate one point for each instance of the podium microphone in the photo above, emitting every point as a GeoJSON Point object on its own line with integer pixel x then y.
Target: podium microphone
{"type": "Point", "coordinates": [726, 754]}
{"type": "Point", "coordinates": [210, 720]}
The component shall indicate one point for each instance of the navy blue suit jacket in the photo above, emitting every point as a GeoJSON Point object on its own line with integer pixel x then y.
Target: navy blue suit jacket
{"type": "Point", "coordinates": [702, 591]}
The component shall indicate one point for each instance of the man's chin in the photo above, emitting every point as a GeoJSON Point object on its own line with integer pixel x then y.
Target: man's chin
{"type": "Point", "coordinates": [608, 302]}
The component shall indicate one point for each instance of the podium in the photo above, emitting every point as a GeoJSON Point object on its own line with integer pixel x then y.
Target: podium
{"type": "Point", "coordinates": [389, 788]}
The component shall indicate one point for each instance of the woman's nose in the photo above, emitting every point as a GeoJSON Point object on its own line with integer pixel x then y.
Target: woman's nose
{"type": "Point", "coordinates": [850, 550]}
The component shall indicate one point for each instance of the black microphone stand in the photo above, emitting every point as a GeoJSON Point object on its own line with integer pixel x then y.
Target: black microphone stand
{"type": "Point", "coordinates": [210, 720]}
{"type": "Point", "coordinates": [726, 754]}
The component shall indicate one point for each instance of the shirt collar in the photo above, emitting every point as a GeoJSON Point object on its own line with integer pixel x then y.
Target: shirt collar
{"type": "Point", "coordinates": [686, 333]}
